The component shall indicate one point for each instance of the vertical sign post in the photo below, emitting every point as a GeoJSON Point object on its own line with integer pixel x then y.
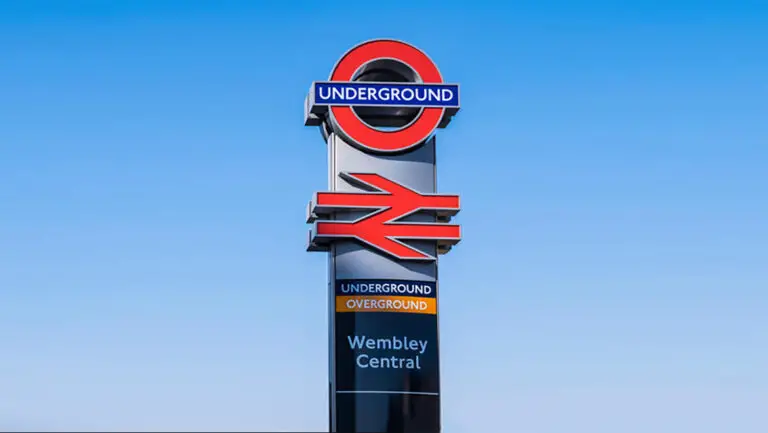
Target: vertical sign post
{"type": "Point", "coordinates": [383, 224]}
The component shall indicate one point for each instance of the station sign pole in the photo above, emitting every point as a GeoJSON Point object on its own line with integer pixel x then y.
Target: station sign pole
{"type": "Point", "coordinates": [383, 225]}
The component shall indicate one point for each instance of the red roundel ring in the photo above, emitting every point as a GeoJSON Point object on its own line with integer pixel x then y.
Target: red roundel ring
{"type": "Point", "coordinates": [386, 141]}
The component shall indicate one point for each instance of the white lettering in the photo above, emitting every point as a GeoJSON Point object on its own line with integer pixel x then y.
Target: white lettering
{"type": "Point", "coordinates": [360, 360]}
{"type": "Point", "coordinates": [387, 288]}
{"type": "Point", "coordinates": [387, 304]}
{"type": "Point", "coordinates": [394, 362]}
{"type": "Point", "coordinates": [391, 343]}
{"type": "Point", "coordinates": [357, 343]}
{"type": "Point", "coordinates": [396, 92]}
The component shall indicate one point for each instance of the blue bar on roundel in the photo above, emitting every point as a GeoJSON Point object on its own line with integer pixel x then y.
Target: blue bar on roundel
{"type": "Point", "coordinates": [386, 94]}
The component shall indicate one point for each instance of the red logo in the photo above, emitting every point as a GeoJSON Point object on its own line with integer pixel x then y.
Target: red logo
{"type": "Point", "coordinates": [366, 137]}
{"type": "Point", "coordinates": [389, 202]}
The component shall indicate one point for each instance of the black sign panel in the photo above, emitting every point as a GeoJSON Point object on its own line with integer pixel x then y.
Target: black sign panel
{"type": "Point", "coordinates": [386, 356]}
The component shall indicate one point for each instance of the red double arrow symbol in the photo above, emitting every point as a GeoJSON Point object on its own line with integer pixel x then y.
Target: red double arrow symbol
{"type": "Point", "coordinates": [388, 202]}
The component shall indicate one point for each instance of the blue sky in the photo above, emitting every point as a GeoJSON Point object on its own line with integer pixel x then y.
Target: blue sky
{"type": "Point", "coordinates": [613, 169]}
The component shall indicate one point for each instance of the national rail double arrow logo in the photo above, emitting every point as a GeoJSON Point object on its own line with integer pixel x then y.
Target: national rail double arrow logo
{"type": "Point", "coordinates": [383, 229]}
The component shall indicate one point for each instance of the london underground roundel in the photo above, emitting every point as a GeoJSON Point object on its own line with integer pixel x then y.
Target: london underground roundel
{"type": "Point", "coordinates": [434, 99]}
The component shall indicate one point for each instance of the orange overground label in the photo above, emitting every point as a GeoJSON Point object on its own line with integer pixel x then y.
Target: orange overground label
{"type": "Point", "coordinates": [391, 304]}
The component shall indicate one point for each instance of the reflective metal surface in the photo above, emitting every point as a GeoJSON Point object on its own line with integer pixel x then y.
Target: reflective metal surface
{"type": "Point", "coordinates": [390, 71]}
{"type": "Point", "coordinates": [389, 413]}
{"type": "Point", "coordinates": [383, 399]}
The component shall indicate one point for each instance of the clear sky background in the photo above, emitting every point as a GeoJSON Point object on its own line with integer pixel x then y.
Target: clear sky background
{"type": "Point", "coordinates": [612, 160]}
